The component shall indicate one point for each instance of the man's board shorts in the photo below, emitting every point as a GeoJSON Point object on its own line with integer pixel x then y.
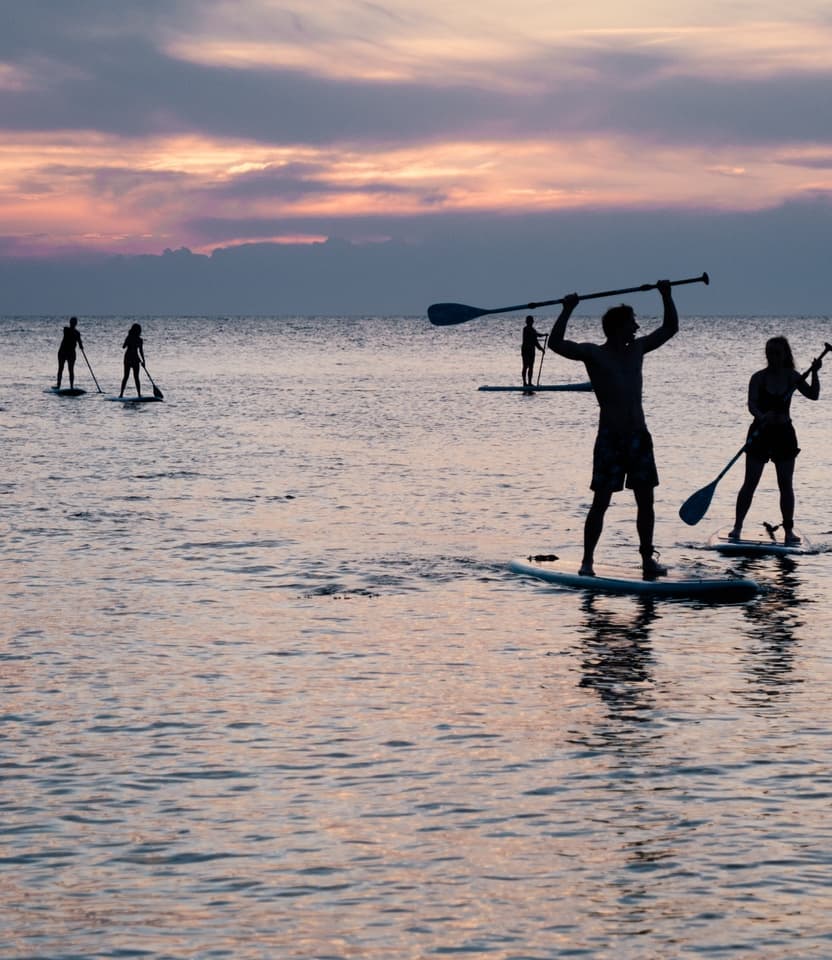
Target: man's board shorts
{"type": "Point", "coordinates": [621, 458]}
{"type": "Point", "coordinates": [528, 357]}
{"type": "Point", "coordinates": [776, 442]}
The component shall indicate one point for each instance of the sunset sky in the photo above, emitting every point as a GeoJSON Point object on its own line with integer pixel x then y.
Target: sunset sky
{"type": "Point", "coordinates": [131, 126]}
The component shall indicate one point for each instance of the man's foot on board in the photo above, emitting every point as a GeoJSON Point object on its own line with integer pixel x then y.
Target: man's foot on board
{"type": "Point", "coordinates": [650, 566]}
{"type": "Point", "coordinates": [586, 570]}
{"type": "Point", "coordinates": [792, 539]}
{"type": "Point", "coordinates": [735, 534]}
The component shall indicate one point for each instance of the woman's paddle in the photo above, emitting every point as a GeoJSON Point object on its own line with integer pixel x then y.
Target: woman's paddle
{"type": "Point", "coordinates": [156, 391]}
{"type": "Point", "coordinates": [696, 505]}
{"type": "Point", "coordinates": [91, 373]}
{"type": "Point", "coordinates": [446, 314]}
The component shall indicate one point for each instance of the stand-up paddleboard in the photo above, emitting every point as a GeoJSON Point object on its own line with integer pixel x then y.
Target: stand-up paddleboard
{"type": "Point", "coordinates": [582, 387]}
{"type": "Point", "coordinates": [757, 546]}
{"type": "Point", "coordinates": [145, 398]}
{"type": "Point", "coordinates": [564, 573]}
{"type": "Point", "coordinates": [65, 391]}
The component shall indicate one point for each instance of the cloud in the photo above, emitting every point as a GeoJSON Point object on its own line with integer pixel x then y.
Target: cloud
{"type": "Point", "coordinates": [770, 262]}
{"type": "Point", "coordinates": [215, 122]}
{"type": "Point", "coordinates": [89, 68]}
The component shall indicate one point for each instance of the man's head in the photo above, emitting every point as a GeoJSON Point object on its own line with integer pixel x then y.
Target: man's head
{"type": "Point", "coordinates": [619, 324]}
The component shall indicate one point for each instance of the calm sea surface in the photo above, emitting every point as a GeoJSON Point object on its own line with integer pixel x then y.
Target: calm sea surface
{"type": "Point", "coordinates": [269, 691]}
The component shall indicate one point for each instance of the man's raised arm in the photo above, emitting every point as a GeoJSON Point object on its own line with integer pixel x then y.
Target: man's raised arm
{"type": "Point", "coordinates": [670, 322]}
{"type": "Point", "coordinates": [557, 342]}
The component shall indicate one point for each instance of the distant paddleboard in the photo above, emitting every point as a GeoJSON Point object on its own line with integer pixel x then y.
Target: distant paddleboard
{"type": "Point", "coordinates": [65, 391]}
{"type": "Point", "coordinates": [582, 387]}
{"type": "Point", "coordinates": [149, 398]}
{"type": "Point", "coordinates": [754, 546]}
{"type": "Point", "coordinates": [564, 573]}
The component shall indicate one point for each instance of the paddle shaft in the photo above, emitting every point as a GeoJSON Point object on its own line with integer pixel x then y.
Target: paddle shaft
{"type": "Point", "coordinates": [90, 369]}
{"type": "Point", "coordinates": [445, 314]}
{"type": "Point", "coordinates": [156, 391]}
{"type": "Point", "coordinates": [704, 278]}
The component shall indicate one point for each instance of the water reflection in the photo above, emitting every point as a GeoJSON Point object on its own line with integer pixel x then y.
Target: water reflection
{"type": "Point", "coordinates": [773, 619]}
{"type": "Point", "coordinates": [617, 658]}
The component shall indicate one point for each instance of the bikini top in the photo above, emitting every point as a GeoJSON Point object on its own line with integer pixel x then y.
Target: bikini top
{"type": "Point", "coordinates": [770, 402]}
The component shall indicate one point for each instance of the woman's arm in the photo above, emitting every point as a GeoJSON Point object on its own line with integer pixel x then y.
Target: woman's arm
{"type": "Point", "coordinates": [754, 395]}
{"type": "Point", "coordinates": [810, 390]}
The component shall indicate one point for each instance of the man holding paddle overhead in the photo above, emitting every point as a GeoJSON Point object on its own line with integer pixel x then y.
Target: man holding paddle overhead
{"type": "Point", "coordinates": [623, 451]}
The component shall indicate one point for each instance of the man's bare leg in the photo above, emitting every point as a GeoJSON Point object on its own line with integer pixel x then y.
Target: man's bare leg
{"type": "Point", "coordinates": [645, 523]}
{"type": "Point", "coordinates": [593, 526]}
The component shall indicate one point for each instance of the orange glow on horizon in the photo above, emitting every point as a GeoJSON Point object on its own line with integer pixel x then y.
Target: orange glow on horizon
{"type": "Point", "coordinates": [77, 191]}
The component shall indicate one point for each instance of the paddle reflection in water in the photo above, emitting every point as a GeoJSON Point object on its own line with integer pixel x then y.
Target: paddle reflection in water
{"type": "Point", "coordinates": [774, 618]}
{"type": "Point", "coordinates": [617, 656]}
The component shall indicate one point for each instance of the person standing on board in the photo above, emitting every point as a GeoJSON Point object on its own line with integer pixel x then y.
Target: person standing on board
{"type": "Point", "coordinates": [66, 352]}
{"type": "Point", "coordinates": [528, 350]}
{"type": "Point", "coordinates": [623, 445]}
{"type": "Point", "coordinates": [771, 435]}
{"type": "Point", "coordinates": [133, 356]}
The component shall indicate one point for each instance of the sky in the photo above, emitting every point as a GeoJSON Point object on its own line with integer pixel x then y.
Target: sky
{"type": "Point", "coordinates": [338, 156]}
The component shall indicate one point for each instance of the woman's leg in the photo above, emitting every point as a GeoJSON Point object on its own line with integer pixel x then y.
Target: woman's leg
{"type": "Point", "coordinates": [136, 378]}
{"type": "Point", "coordinates": [785, 477]}
{"type": "Point", "coordinates": [124, 378]}
{"type": "Point", "coordinates": [753, 472]}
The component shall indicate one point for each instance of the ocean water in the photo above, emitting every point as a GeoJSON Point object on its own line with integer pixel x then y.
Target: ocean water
{"type": "Point", "coordinates": [269, 690]}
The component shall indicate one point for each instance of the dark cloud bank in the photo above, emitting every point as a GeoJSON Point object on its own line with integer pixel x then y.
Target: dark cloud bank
{"type": "Point", "coordinates": [773, 262]}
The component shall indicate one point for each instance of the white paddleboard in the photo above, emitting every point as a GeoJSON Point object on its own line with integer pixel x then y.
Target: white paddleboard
{"type": "Point", "coordinates": [582, 387]}
{"type": "Point", "coordinates": [752, 546]}
{"type": "Point", "coordinates": [65, 391]}
{"type": "Point", "coordinates": [564, 573]}
{"type": "Point", "coordinates": [147, 398]}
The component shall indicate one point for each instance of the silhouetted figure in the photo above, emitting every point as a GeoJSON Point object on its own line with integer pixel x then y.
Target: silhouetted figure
{"type": "Point", "coordinates": [66, 352]}
{"type": "Point", "coordinates": [771, 435]}
{"type": "Point", "coordinates": [528, 350]}
{"type": "Point", "coordinates": [133, 357]}
{"type": "Point", "coordinates": [623, 445]}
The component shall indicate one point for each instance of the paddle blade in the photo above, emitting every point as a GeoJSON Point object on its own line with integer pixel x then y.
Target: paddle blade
{"type": "Point", "coordinates": [696, 505]}
{"type": "Point", "coordinates": [158, 393]}
{"type": "Point", "coordinates": [447, 314]}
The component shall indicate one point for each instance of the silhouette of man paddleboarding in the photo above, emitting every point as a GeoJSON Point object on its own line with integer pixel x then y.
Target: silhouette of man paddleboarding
{"type": "Point", "coordinates": [623, 453]}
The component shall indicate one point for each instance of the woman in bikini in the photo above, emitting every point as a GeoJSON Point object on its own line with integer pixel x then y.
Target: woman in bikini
{"type": "Point", "coordinates": [772, 436]}
{"type": "Point", "coordinates": [133, 357]}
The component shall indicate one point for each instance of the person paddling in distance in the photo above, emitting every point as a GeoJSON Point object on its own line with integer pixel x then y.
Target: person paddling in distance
{"type": "Point", "coordinates": [771, 435]}
{"type": "Point", "coordinates": [66, 352]}
{"type": "Point", "coordinates": [623, 451]}
{"type": "Point", "coordinates": [528, 350]}
{"type": "Point", "coordinates": [133, 347]}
